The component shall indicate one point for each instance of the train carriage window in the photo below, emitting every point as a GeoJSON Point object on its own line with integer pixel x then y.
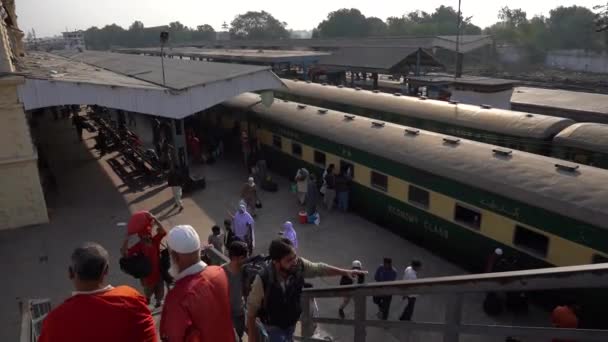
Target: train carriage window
{"type": "Point", "coordinates": [531, 241]}
{"type": "Point", "coordinates": [320, 158]}
{"type": "Point", "coordinates": [467, 216]}
{"type": "Point", "coordinates": [296, 149]}
{"type": "Point", "coordinates": [276, 141]}
{"type": "Point", "coordinates": [581, 158]}
{"type": "Point", "coordinates": [599, 259]}
{"type": "Point", "coordinates": [379, 181]}
{"type": "Point", "coordinates": [418, 196]}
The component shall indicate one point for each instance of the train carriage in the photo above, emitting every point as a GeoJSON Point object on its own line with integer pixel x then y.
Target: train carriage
{"type": "Point", "coordinates": [518, 130]}
{"type": "Point", "coordinates": [457, 196]}
{"type": "Point", "coordinates": [585, 143]}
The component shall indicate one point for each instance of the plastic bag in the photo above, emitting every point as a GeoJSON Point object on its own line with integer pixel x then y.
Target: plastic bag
{"type": "Point", "coordinates": [315, 218]}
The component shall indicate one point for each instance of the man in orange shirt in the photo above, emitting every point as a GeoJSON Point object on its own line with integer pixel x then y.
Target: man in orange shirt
{"type": "Point", "coordinates": [564, 316]}
{"type": "Point", "coordinates": [97, 312]}
{"type": "Point", "coordinates": [149, 246]}
{"type": "Point", "coordinates": [197, 308]}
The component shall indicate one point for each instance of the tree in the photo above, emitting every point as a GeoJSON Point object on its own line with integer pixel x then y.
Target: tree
{"type": "Point", "coordinates": [258, 25]}
{"type": "Point", "coordinates": [535, 38]}
{"type": "Point", "coordinates": [572, 28]}
{"type": "Point", "coordinates": [179, 33]}
{"type": "Point", "coordinates": [204, 32]}
{"type": "Point", "coordinates": [137, 25]}
{"type": "Point", "coordinates": [509, 28]}
{"type": "Point", "coordinates": [513, 18]}
{"type": "Point", "coordinates": [344, 23]}
{"type": "Point", "coordinates": [176, 26]}
{"type": "Point", "coordinates": [105, 38]}
{"type": "Point", "coordinates": [444, 21]}
{"type": "Point", "coordinates": [376, 27]}
{"type": "Point", "coordinates": [601, 18]}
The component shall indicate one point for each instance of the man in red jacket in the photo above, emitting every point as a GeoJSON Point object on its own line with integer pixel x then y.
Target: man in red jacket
{"type": "Point", "coordinates": [97, 312]}
{"type": "Point", "coordinates": [197, 308]}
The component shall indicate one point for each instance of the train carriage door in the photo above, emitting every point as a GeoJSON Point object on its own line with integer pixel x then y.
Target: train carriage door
{"type": "Point", "coordinates": [347, 168]}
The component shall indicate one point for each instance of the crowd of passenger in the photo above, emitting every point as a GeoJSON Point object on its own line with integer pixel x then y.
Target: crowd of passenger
{"type": "Point", "coordinates": [204, 302]}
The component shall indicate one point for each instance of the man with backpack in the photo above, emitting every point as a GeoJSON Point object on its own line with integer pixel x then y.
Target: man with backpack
{"type": "Point", "coordinates": [149, 246]}
{"type": "Point", "coordinates": [275, 295]}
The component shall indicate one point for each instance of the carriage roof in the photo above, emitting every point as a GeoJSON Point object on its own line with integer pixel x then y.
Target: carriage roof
{"type": "Point", "coordinates": [499, 121]}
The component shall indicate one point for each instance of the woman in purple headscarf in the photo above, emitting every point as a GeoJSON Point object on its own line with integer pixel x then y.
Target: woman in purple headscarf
{"type": "Point", "coordinates": [290, 233]}
{"type": "Point", "coordinates": [243, 225]}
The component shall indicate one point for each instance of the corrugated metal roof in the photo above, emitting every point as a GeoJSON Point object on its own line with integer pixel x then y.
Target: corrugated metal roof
{"type": "Point", "coordinates": [52, 80]}
{"type": "Point", "coordinates": [524, 177]}
{"type": "Point", "coordinates": [467, 42]}
{"type": "Point", "coordinates": [179, 74]}
{"type": "Point", "coordinates": [383, 59]}
{"type": "Point", "coordinates": [252, 55]}
{"type": "Point", "coordinates": [41, 65]}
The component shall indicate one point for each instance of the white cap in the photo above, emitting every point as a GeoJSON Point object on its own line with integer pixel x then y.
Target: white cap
{"type": "Point", "coordinates": [498, 251]}
{"type": "Point", "coordinates": [357, 264]}
{"type": "Point", "coordinates": [183, 240]}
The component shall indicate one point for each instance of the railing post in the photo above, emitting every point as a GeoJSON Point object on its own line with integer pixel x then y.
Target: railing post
{"type": "Point", "coordinates": [360, 317]}
{"type": "Point", "coordinates": [453, 318]}
{"type": "Point", "coordinates": [308, 329]}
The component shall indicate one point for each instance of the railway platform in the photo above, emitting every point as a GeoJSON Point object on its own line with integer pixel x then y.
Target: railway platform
{"type": "Point", "coordinates": [90, 200]}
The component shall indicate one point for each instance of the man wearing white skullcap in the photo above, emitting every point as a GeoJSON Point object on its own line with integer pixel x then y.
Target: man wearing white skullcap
{"type": "Point", "coordinates": [198, 306]}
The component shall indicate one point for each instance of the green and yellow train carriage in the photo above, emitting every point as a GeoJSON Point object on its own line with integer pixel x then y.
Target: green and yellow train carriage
{"type": "Point", "coordinates": [540, 134]}
{"type": "Point", "coordinates": [459, 197]}
{"type": "Point", "coordinates": [518, 130]}
{"type": "Point", "coordinates": [585, 143]}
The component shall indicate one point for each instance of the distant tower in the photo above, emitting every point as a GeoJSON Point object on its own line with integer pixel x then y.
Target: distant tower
{"type": "Point", "coordinates": [224, 34]}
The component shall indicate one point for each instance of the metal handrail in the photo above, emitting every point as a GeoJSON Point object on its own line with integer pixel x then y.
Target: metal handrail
{"type": "Point", "coordinates": [455, 287]}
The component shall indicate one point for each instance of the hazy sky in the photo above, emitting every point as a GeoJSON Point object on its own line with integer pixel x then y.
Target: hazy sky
{"type": "Point", "coordinates": [50, 17]}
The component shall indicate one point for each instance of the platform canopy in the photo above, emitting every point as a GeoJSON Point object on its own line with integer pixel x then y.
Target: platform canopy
{"type": "Point", "coordinates": [135, 83]}
{"type": "Point", "coordinates": [466, 43]}
{"type": "Point", "coordinates": [246, 56]}
{"type": "Point", "coordinates": [384, 60]}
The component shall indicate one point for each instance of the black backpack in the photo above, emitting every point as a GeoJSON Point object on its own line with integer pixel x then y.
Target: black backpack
{"type": "Point", "coordinates": [492, 304]}
{"type": "Point", "coordinates": [138, 265]}
{"type": "Point", "coordinates": [252, 267]}
{"type": "Point", "coordinates": [165, 265]}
